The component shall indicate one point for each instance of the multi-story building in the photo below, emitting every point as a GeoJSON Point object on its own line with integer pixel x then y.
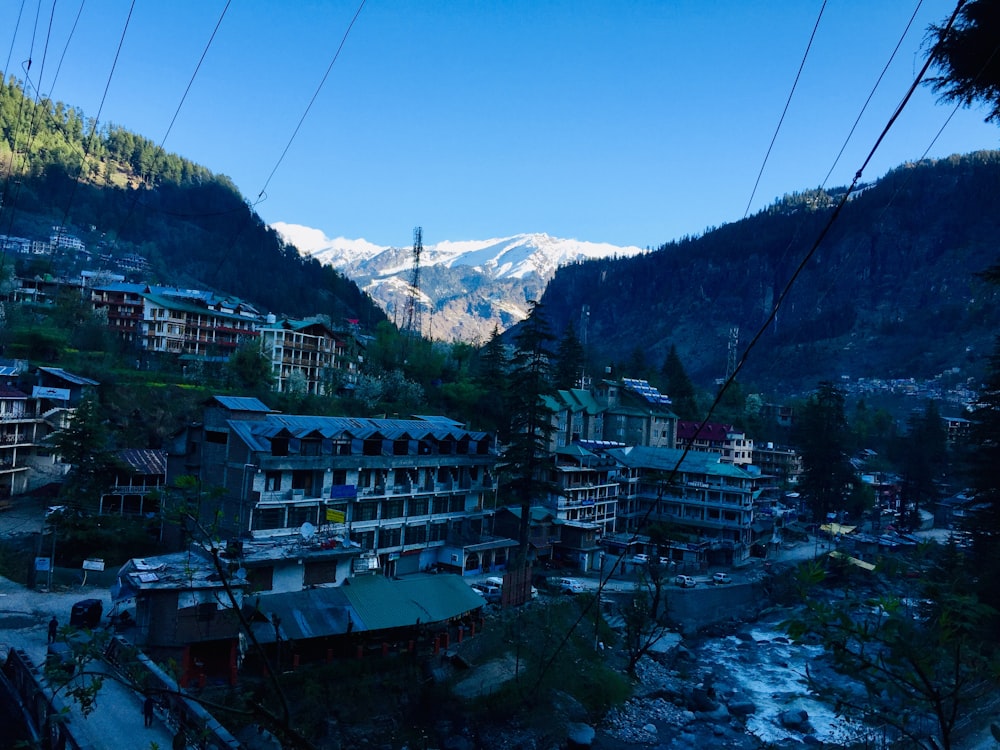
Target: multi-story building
{"type": "Point", "coordinates": [731, 443]}
{"type": "Point", "coordinates": [782, 463]}
{"type": "Point", "coordinates": [702, 500]}
{"type": "Point", "coordinates": [20, 431]}
{"type": "Point", "coordinates": [304, 354]}
{"type": "Point", "coordinates": [195, 326]}
{"type": "Point", "coordinates": [636, 413]}
{"type": "Point", "coordinates": [411, 493]}
{"type": "Point", "coordinates": [175, 321]}
{"type": "Point", "coordinates": [576, 415]}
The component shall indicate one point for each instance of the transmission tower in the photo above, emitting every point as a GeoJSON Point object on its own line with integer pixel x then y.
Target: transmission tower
{"type": "Point", "coordinates": [411, 323]}
{"type": "Point", "coordinates": [734, 345]}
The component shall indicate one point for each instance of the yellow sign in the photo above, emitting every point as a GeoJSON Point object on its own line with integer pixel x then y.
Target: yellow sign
{"type": "Point", "coordinates": [335, 516]}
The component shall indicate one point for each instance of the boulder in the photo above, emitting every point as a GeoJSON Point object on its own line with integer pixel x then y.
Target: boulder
{"type": "Point", "coordinates": [794, 718]}
{"type": "Point", "coordinates": [701, 700]}
{"type": "Point", "coordinates": [579, 735]}
{"type": "Point", "coordinates": [741, 706]}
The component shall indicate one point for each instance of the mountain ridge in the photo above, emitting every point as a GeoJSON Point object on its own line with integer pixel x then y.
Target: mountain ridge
{"type": "Point", "coordinates": [467, 286]}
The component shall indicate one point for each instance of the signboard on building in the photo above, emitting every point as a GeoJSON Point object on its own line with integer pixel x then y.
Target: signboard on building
{"type": "Point", "coordinates": [335, 516]}
{"type": "Point", "coordinates": [58, 394]}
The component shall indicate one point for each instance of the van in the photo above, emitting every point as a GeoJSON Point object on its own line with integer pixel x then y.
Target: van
{"type": "Point", "coordinates": [494, 581]}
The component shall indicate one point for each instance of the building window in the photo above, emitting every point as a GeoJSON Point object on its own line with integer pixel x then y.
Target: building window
{"type": "Point", "coordinates": [418, 506]}
{"type": "Point", "coordinates": [390, 537]}
{"type": "Point", "coordinates": [366, 511]}
{"type": "Point", "coordinates": [392, 509]}
{"type": "Point", "coordinates": [416, 534]}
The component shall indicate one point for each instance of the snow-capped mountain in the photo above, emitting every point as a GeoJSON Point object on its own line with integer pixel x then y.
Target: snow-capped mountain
{"type": "Point", "coordinates": [467, 286]}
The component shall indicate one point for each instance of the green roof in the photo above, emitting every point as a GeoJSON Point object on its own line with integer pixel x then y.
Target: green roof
{"type": "Point", "coordinates": [665, 459]}
{"type": "Point", "coordinates": [382, 604]}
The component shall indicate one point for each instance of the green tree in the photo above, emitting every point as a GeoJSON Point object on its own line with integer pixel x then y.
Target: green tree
{"type": "Point", "coordinates": [821, 434]}
{"type": "Point", "coordinates": [85, 445]}
{"type": "Point", "coordinates": [679, 386]}
{"type": "Point", "coordinates": [965, 54]}
{"type": "Point", "coordinates": [924, 458]}
{"type": "Point", "coordinates": [983, 524]}
{"type": "Point", "coordinates": [248, 370]}
{"type": "Point", "coordinates": [492, 368]}
{"type": "Point", "coordinates": [916, 663]}
{"type": "Point", "coordinates": [531, 420]}
{"type": "Point", "coordinates": [569, 360]}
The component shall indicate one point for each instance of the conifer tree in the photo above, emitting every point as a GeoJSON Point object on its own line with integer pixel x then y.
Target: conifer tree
{"type": "Point", "coordinates": [531, 420]}
{"type": "Point", "coordinates": [821, 434]}
{"type": "Point", "coordinates": [569, 360]}
{"type": "Point", "coordinates": [679, 386]}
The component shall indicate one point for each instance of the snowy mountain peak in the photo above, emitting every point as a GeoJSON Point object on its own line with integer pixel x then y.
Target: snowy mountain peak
{"type": "Point", "coordinates": [469, 285]}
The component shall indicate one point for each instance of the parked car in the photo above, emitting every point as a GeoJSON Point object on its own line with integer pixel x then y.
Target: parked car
{"type": "Point", "coordinates": [491, 594]}
{"type": "Point", "coordinates": [685, 582]}
{"type": "Point", "coordinates": [640, 558]}
{"type": "Point", "coordinates": [570, 586]}
{"type": "Point", "coordinates": [721, 578]}
{"type": "Point", "coordinates": [666, 561]}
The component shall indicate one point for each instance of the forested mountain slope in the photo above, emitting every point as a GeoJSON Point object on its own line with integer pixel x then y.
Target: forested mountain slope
{"type": "Point", "coordinates": [122, 194]}
{"type": "Point", "coordinates": [892, 290]}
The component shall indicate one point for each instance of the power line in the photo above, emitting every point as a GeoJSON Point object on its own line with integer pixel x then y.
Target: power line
{"type": "Point", "coordinates": [262, 195]}
{"type": "Point", "coordinates": [774, 311]}
{"type": "Point", "coordinates": [785, 110]}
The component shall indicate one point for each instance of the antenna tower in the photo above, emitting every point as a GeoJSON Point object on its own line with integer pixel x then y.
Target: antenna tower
{"type": "Point", "coordinates": [412, 322]}
{"type": "Point", "coordinates": [734, 345]}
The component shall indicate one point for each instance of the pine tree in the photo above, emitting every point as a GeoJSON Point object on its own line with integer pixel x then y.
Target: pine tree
{"type": "Point", "coordinates": [569, 360]}
{"type": "Point", "coordinates": [679, 386]}
{"type": "Point", "coordinates": [531, 420]}
{"type": "Point", "coordinates": [821, 434]}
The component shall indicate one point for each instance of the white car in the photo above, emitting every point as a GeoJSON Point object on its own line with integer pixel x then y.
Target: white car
{"type": "Point", "coordinates": [570, 586]}
{"type": "Point", "coordinates": [640, 558]}
{"type": "Point", "coordinates": [721, 578]}
{"type": "Point", "coordinates": [685, 582]}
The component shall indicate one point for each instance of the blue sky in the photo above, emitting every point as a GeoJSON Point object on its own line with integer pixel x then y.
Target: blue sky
{"type": "Point", "coordinates": [632, 123]}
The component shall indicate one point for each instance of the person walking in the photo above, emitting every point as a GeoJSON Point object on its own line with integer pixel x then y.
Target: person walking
{"type": "Point", "coordinates": [53, 629]}
{"type": "Point", "coordinates": [147, 711]}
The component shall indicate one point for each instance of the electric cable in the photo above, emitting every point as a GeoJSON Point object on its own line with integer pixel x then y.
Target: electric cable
{"type": "Point", "coordinates": [585, 610]}
{"type": "Point", "coordinates": [788, 102]}
{"type": "Point", "coordinates": [262, 195]}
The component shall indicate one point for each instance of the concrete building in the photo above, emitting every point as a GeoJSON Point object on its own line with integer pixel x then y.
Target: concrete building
{"type": "Point", "coordinates": [411, 493]}
{"type": "Point", "coordinates": [703, 501]}
{"type": "Point", "coordinates": [304, 354]}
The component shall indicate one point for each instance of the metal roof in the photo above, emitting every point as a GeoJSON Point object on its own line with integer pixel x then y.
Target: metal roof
{"type": "Point", "coordinates": [68, 376]}
{"type": "Point", "coordinates": [144, 460]}
{"type": "Point", "coordinates": [382, 604]}
{"type": "Point", "coordinates": [243, 403]}
{"type": "Point", "coordinates": [311, 613]}
{"type": "Point", "coordinates": [666, 459]}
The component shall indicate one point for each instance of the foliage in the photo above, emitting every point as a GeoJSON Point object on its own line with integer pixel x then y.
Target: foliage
{"type": "Point", "coordinates": [983, 524]}
{"type": "Point", "coordinates": [679, 386]}
{"type": "Point", "coordinates": [531, 419]}
{"type": "Point", "coordinates": [569, 361]}
{"type": "Point", "coordinates": [965, 55]}
{"type": "Point", "coordinates": [923, 462]}
{"type": "Point", "coordinates": [86, 446]}
{"type": "Point", "coordinates": [925, 220]}
{"type": "Point", "coordinates": [821, 433]}
{"type": "Point", "coordinates": [915, 658]}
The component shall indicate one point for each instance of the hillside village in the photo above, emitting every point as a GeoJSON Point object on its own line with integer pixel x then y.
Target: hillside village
{"type": "Point", "coordinates": [329, 522]}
